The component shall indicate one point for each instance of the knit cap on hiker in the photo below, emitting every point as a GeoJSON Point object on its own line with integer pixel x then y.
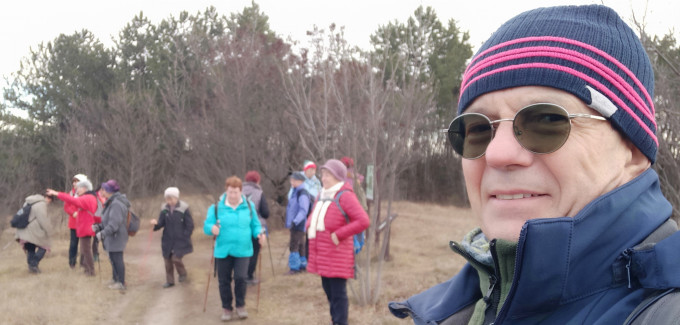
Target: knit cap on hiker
{"type": "Point", "coordinates": [111, 186]}
{"type": "Point", "coordinates": [337, 168]}
{"type": "Point", "coordinates": [80, 177]}
{"type": "Point", "coordinates": [298, 176]}
{"type": "Point", "coordinates": [171, 192]}
{"type": "Point", "coordinates": [587, 51]}
{"type": "Point", "coordinates": [308, 164]}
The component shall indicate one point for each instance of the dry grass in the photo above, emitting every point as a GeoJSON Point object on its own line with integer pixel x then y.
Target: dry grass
{"type": "Point", "coordinates": [421, 258]}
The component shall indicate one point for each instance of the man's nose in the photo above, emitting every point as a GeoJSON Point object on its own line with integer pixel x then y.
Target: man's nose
{"type": "Point", "coordinates": [504, 149]}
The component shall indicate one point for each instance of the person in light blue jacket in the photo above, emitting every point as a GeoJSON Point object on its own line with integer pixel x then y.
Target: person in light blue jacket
{"type": "Point", "coordinates": [234, 224]}
{"type": "Point", "coordinates": [311, 182]}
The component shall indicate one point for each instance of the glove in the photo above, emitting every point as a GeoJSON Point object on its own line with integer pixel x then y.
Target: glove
{"type": "Point", "coordinates": [96, 227]}
{"type": "Point", "coordinates": [99, 235]}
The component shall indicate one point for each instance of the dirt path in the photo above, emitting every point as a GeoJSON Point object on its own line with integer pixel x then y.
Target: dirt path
{"type": "Point", "coordinates": [147, 302]}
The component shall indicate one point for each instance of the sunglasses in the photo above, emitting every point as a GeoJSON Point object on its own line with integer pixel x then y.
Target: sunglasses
{"type": "Point", "coordinates": [540, 128]}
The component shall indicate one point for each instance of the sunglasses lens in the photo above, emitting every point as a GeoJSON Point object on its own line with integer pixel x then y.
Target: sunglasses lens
{"type": "Point", "coordinates": [542, 128]}
{"type": "Point", "coordinates": [470, 134]}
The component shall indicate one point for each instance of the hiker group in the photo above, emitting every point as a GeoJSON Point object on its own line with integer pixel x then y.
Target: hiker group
{"type": "Point", "coordinates": [324, 217]}
{"type": "Point", "coordinates": [93, 216]}
{"type": "Point", "coordinates": [321, 234]}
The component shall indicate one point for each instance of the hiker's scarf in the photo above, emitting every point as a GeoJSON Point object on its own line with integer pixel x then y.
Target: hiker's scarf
{"type": "Point", "coordinates": [317, 222]}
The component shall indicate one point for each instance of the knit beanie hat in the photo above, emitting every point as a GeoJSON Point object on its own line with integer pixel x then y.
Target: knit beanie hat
{"type": "Point", "coordinates": [252, 176]}
{"type": "Point", "coordinates": [349, 162]}
{"type": "Point", "coordinates": [298, 176]}
{"type": "Point", "coordinates": [308, 164]}
{"type": "Point", "coordinates": [171, 191]}
{"type": "Point", "coordinates": [587, 51]}
{"type": "Point", "coordinates": [80, 177]}
{"type": "Point", "coordinates": [111, 186]}
{"type": "Point", "coordinates": [85, 183]}
{"type": "Point", "coordinates": [337, 168]}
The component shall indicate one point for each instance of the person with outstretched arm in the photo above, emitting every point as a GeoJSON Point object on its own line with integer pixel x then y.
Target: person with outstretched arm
{"type": "Point", "coordinates": [85, 203]}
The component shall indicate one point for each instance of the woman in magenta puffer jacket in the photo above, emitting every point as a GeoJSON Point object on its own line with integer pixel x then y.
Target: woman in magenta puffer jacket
{"type": "Point", "coordinates": [331, 244]}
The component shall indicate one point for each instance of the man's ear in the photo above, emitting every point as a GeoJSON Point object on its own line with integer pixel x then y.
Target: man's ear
{"type": "Point", "coordinates": [637, 162]}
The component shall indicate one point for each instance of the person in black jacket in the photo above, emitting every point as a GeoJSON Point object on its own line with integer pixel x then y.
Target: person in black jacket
{"type": "Point", "coordinates": [253, 191]}
{"type": "Point", "coordinates": [178, 225]}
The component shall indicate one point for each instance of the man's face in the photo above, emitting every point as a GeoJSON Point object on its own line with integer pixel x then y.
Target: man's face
{"type": "Point", "coordinates": [233, 195]}
{"type": "Point", "coordinates": [510, 185]}
{"type": "Point", "coordinates": [309, 172]}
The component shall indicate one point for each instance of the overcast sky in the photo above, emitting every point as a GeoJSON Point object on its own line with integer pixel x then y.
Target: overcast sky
{"type": "Point", "coordinates": [25, 24]}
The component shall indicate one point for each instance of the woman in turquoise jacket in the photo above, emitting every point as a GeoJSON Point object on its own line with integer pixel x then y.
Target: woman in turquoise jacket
{"type": "Point", "coordinates": [234, 224]}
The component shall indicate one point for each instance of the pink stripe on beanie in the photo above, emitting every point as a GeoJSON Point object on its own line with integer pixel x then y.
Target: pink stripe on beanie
{"type": "Point", "coordinates": [587, 51]}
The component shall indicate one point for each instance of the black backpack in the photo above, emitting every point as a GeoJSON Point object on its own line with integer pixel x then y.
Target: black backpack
{"type": "Point", "coordinates": [20, 219]}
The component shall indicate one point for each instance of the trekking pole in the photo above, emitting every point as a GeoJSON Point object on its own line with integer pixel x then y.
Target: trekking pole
{"type": "Point", "coordinates": [259, 276]}
{"type": "Point", "coordinates": [269, 248]}
{"type": "Point", "coordinates": [212, 263]}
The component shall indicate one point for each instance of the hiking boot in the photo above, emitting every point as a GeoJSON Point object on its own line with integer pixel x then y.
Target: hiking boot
{"type": "Point", "coordinates": [252, 281]}
{"type": "Point", "coordinates": [182, 278]}
{"type": "Point", "coordinates": [292, 272]}
{"type": "Point", "coordinates": [110, 283]}
{"type": "Point", "coordinates": [168, 285]}
{"type": "Point", "coordinates": [226, 315]}
{"type": "Point", "coordinates": [117, 286]}
{"type": "Point", "coordinates": [241, 312]}
{"type": "Point", "coordinates": [33, 269]}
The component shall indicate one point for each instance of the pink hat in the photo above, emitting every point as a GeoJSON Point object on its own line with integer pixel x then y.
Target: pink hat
{"type": "Point", "coordinates": [337, 168]}
{"type": "Point", "coordinates": [308, 164]}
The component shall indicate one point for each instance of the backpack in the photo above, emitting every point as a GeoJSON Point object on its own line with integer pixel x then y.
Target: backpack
{"type": "Point", "coordinates": [360, 238]}
{"type": "Point", "coordinates": [20, 219]}
{"type": "Point", "coordinates": [132, 223]}
{"type": "Point", "coordinates": [311, 200]}
{"type": "Point", "coordinates": [100, 207]}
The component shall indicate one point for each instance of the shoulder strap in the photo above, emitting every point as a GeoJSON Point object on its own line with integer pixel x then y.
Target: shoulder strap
{"type": "Point", "coordinates": [250, 209]}
{"type": "Point", "coordinates": [336, 199]}
{"type": "Point", "coordinates": [661, 306]}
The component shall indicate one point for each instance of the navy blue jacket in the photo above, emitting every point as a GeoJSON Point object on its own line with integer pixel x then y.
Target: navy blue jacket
{"type": "Point", "coordinates": [574, 270]}
{"type": "Point", "coordinates": [177, 228]}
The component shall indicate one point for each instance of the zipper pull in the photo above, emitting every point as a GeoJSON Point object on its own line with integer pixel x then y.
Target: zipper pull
{"type": "Point", "coordinates": [627, 254]}
{"type": "Point", "coordinates": [492, 284]}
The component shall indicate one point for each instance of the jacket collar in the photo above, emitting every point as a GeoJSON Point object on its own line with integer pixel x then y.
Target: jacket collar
{"type": "Point", "coordinates": [569, 258]}
{"type": "Point", "coordinates": [566, 259]}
